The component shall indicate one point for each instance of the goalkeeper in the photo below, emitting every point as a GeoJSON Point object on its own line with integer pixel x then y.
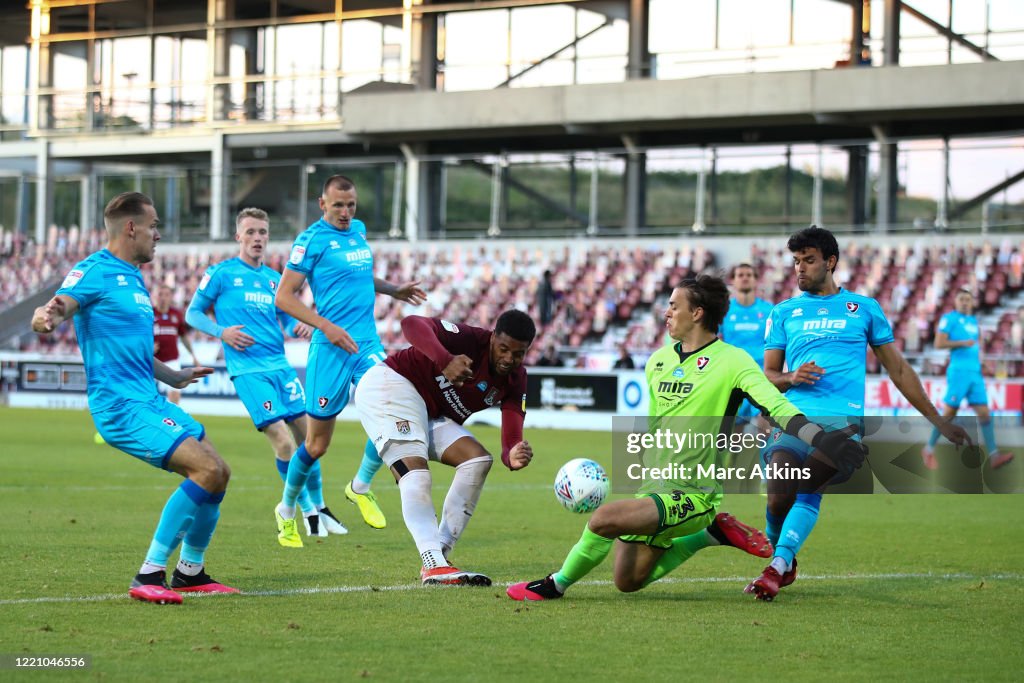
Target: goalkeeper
{"type": "Point", "coordinates": [668, 521]}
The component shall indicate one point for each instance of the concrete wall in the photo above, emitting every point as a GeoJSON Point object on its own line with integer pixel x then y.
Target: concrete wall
{"type": "Point", "coordinates": [851, 94]}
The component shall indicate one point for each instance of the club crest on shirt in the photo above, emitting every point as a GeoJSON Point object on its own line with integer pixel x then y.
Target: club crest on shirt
{"type": "Point", "coordinates": [268, 406]}
{"type": "Point", "coordinates": [169, 422]}
{"type": "Point", "coordinates": [702, 363]}
{"type": "Point", "coordinates": [852, 306]}
{"type": "Point", "coordinates": [322, 401]}
{"type": "Point", "coordinates": [273, 285]}
{"type": "Point", "coordinates": [403, 426]}
{"type": "Point", "coordinates": [491, 396]}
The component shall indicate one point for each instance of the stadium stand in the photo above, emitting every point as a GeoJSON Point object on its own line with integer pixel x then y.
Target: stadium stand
{"type": "Point", "coordinates": [605, 296]}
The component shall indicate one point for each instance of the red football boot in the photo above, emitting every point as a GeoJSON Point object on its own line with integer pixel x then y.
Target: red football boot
{"type": "Point", "coordinates": [541, 589]}
{"type": "Point", "coordinates": [766, 586]}
{"type": "Point", "coordinates": [739, 535]}
{"type": "Point", "coordinates": [152, 588]}
{"type": "Point", "coordinates": [200, 583]}
{"type": "Point", "coordinates": [450, 576]}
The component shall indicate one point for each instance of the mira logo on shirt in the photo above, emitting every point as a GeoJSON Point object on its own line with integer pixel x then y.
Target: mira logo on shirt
{"type": "Point", "coordinates": [358, 255]}
{"type": "Point", "coordinates": [824, 324]}
{"type": "Point", "coordinates": [259, 298]}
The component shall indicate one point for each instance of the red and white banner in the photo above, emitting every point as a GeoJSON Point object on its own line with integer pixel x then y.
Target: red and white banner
{"type": "Point", "coordinates": [1004, 395]}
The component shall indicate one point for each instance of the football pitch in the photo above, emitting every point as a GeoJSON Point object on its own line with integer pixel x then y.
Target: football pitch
{"type": "Point", "coordinates": [910, 587]}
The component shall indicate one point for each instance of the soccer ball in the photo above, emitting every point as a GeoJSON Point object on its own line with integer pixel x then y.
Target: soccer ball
{"type": "Point", "coordinates": [581, 485]}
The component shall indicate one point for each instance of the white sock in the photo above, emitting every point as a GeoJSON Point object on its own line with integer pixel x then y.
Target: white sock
{"type": "Point", "coordinates": [420, 518]}
{"type": "Point", "coordinates": [286, 512]}
{"type": "Point", "coordinates": [359, 486]}
{"type": "Point", "coordinates": [188, 568]}
{"type": "Point", "coordinates": [780, 564]}
{"type": "Point", "coordinates": [462, 498]}
{"type": "Point", "coordinates": [149, 568]}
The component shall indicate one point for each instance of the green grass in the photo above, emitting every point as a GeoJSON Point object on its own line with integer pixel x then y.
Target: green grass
{"type": "Point", "coordinates": [78, 518]}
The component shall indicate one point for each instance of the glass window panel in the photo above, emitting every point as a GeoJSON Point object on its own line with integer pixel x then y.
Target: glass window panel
{"type": "Point", "coordinates": [477, 38]}
{"type": "Point", "coordinates": [821, 21]}
{"type": "Point", "coordinates": [682, 26]}
{"type": "Point", "coordinates": [748, 25]}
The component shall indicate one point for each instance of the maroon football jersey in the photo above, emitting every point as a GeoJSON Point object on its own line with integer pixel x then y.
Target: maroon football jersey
{"type": "Point", "coordinates": [483, 391]}
{"type": "Point", "coordinates": [167, 327]}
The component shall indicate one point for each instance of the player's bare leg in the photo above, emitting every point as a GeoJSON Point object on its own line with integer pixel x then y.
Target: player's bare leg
{"type": "Point", "coordinates": [634, 563]}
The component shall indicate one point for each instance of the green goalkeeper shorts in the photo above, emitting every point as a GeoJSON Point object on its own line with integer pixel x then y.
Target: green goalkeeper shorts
{"type": "Point", "coordinates": [680, 514]}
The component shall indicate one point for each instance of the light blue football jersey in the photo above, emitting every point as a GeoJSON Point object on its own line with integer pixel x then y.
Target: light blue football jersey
{"type": "Point", "coordinates": [338, 265]}
{"type": "Point", "coordinates": [744, 327]}
{"type": "Point", "coordinates": [834, 332]}
{"type": "Point", "coordinates": [243, 295]}
{"type": "Point", "coordinates": [114, 324]}
{"type": "Point", "coordinates": [961, 327]}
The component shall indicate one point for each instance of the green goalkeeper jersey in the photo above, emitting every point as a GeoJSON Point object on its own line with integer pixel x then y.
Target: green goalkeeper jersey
{"type": "Point", "coordinates": [702, 391]}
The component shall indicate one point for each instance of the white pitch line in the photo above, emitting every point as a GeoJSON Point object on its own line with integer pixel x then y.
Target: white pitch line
{"type": "Point", "coordinates": [326, 590]}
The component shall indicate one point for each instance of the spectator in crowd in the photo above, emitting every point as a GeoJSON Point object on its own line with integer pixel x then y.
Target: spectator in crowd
{"type": "Point", "coordinates": [625, 360]}
{"type": "Point", "coordinates": [546, 298]}
{"type": "Point", "coordinates": [550, 358]}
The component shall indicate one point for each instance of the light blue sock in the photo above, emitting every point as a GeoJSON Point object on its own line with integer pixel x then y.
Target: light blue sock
{"type": "Point", "coordinates": [197, 539]}
{"type": "Point", "coordinates": [298, 473]}
{"type": "Point", "coordinates": [800, 520]}
{"type": "Point", "coordinates": [367, 468]}
{"type": "Point", "coordinates": [773, 527]}
{"type": "Point", "coordinates": [304, 502]}
{"type": "Point", "coordinates": [175, 520]}
{"type": "Point", "coordinates": [315, 486]}
{"type": "Point", "coordinates": [988, 433]}
{"type": "Point", "coordinates": [933, 438]}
